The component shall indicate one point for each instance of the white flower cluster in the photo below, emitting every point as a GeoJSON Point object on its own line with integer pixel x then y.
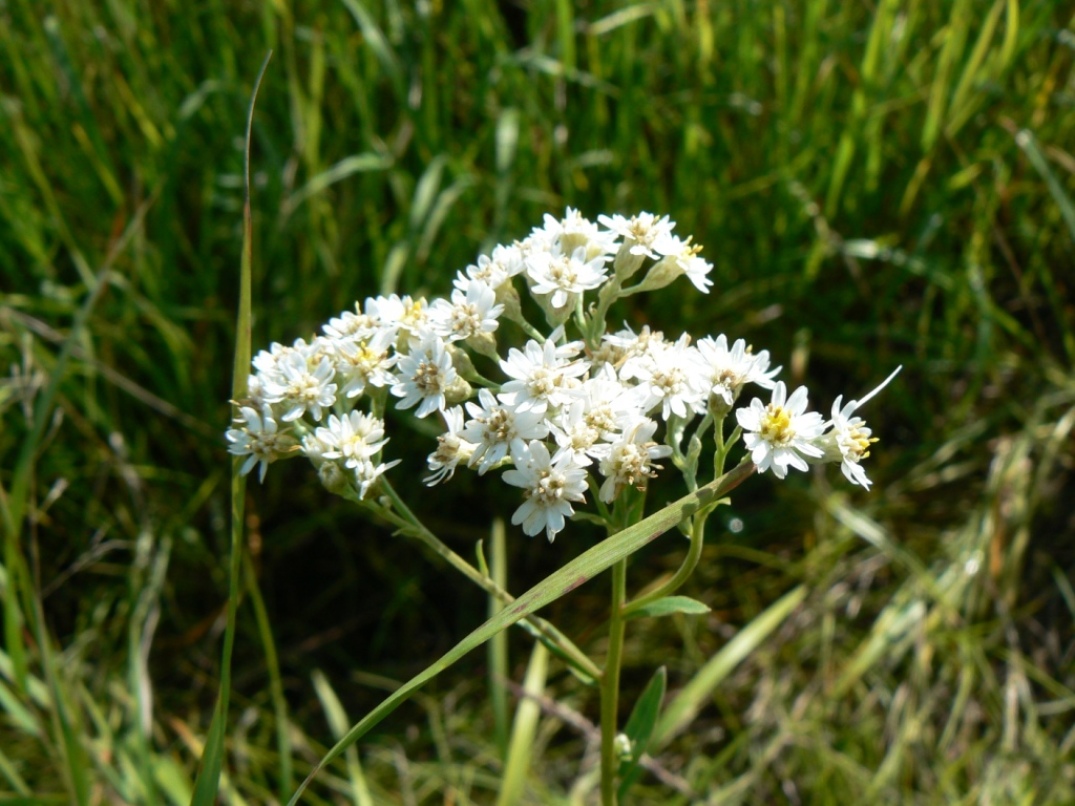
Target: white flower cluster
{"type": "Point", "coordinates": [601, 403]}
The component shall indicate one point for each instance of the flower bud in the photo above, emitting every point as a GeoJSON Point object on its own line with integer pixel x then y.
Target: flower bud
{"type": "Point", "coordinates": [458, 391]}
{"type": "Point", "coordinates": [334, 478]}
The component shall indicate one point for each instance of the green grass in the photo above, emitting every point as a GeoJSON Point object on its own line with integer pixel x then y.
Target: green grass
{"type": "Point", "coordinates": [876, 184]}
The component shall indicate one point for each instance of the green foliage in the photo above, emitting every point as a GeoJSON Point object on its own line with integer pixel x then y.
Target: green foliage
{"type": "Point", "coordinates": [876, 183]}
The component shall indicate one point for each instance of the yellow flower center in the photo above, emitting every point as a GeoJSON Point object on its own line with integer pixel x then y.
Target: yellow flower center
{"type": "Point", "coordinates": [776, 425]}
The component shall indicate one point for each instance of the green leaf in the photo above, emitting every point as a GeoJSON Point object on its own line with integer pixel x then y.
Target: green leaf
{"type": "Point", "coordinates": [582, 569]}
{"type": "Point", "coordinates": [669, 605]}
{"type": "Point", "coordinates": [639, 728]}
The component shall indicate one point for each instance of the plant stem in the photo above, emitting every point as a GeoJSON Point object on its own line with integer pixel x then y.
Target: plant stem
{"type": "Point", "coordinates": [610, 684]}
{"type": "Point", "coordinates": [686, 568]}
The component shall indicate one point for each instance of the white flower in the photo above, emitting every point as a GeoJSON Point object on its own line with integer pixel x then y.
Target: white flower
{"type": "Point", "coordinates": [367, 473]}
{"type": "Point", "coordinates": [258, 438]}
{"type": "Point", "coordinates": [505, 263]}
{"type": "Point", "coordinates": [564, 275]}
{"type": "Point", "coordinates": [364, 361]}
{"type": "Point", "coordinates": [781, 434]}
{"type": "Point", "coordinates": [670, 375]}
{"type": "Point", "coordinates": [681, 258]}
{"type": "Point", "coordinates": [573, 231]}
{"type": "Point", "coordinates": [730, 370]}
{"type": "Point", "coordinates": [300, 381]}
{"type": "Point", "coordinates": [542, 375]}
{"type": "Point", "coordinates": [472, 311]}
{"type": "Point", "coordinates": [398, 313]}
{"type": "Point", "coordinates": [451, 449]}
{"type": "Point", "coordinates": [644, 234]}
{"type": "Point", "coordinates": [629, 460]}
{"type": "Point", "coordinates": [548, 486]}
{"type": "Point", "coordinates": [350, 324]}
{"type": "Point", "coordinates": [626, 344]}
{"type": "Point", "coordinates": [424, 375]}
{"type": "Point", "coordinates": [849, 440]}
{"type": "Point", "coordinates": [497, 429]}
{"type": "Point", "coordinates": [852, 438]}
{"type": "Point", "coordinates": [354, 438]}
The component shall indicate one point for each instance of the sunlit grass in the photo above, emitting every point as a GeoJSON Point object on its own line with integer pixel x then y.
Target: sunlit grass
{"type": "Point", "coordinates": [877, 184]}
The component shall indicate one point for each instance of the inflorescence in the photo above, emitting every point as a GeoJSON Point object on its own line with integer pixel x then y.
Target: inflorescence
{"type": "Point", "coordinates": [610, 404]}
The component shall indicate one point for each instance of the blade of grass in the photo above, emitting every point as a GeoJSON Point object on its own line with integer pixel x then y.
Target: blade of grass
{"type": "Point", "coordinates": [527, 717]}
{"type": "Point", "coordinates": [337, 722]}
{"type": "Point", "coordinates": [498, 644]}
{"type": "Point", "coordinates": [212, 760]}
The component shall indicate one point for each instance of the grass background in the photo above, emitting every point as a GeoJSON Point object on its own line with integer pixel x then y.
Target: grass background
{"type": "Point", "coordinates": [876, 183]}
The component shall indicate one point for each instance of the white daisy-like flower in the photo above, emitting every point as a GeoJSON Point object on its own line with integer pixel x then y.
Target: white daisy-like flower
{"type": "Point", "coordinates": [266, 360]}
{"type": "Point", "coordinates": [451, 449]}
{"type": "Point", "coordinates": [644, 234]}
{"type": "Point", "coordinates": [367, 473]}
{"type": "Point", "coordinates": [564, 275]}
{"type": "Point", "coordinates": [626, 344]}
{"type": "Point", "coordinates": [609, 403]}
{"type": "Point", "coordinates": [682, 258]}
{"type": "Point", "coordinates": [629, 460]}
{"type": "Point", "coordinates": [494, 271]}
{"type": "Point", "coordinates": [542, 375]}
{"type": "Point", "coordinates": [671, 376]}
{"type": "Point", "coordinates": [362, 362]}
{"type": "Point", "coordinates": [573, 231]}
{"type": "Point", "coordinates": [573, 434]}
{"type": "Point", "coordinates": [398, 313]}
{"type": "Point", "coordinates": [301, 381]}
{"type": "Point", "coordinates": [731, 369]}
{"type": "Point", "coordinates": [354, 438]}
{"type": "Point", "coordinates": [472, 312]}
{"type": "Point", "coordinates": [596, 414]}
{"type": "Point", "coordinates": [782, 434]}
{"type": "Point", "coordinates": [350, 325]}
{"type": "Point", "coordinates": [497, 429]}
{"type": "Point", "coordinates": [849, 440]}
{"type": "Point", "coordinates": [258, 437]}
{"type": "Point", "coordinates": [853, 439]}
{"type": "Point", "coordinates": [548, 486]}
{"type": "Point", "coordinates": [423, 376]}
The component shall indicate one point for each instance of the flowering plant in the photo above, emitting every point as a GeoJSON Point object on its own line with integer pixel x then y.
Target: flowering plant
{"type": "Point", "coordinates": [580, 421]}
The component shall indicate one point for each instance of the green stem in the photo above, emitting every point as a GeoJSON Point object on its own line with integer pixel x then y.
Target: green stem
{"type": "Point", "coordinates": [610, 684]}
{"type": "Point", "coordinates": [686, 568]}
{"type": "Point", "coordinates": [410, 524]}
{"type": "Point", "coordinates": [531, 331]}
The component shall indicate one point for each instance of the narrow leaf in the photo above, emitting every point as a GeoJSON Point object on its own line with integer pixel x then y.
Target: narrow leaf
{"type": "Point", "coordinates": [524, 729]}
{"type": "Point", "coordinates": [212, 761]}
{"type": "Point", "coordinates": [669, 605]}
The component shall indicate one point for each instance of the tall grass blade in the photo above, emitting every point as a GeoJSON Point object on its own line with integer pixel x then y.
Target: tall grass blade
{"type": "Point", "coordinates": [498, 644]}
{"type": "Point", "coordinates": [527, 717]}
{"type": "Point", "coordinates": [212, 761]}
{"type": "Point", "coordinates": [337, 722]}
